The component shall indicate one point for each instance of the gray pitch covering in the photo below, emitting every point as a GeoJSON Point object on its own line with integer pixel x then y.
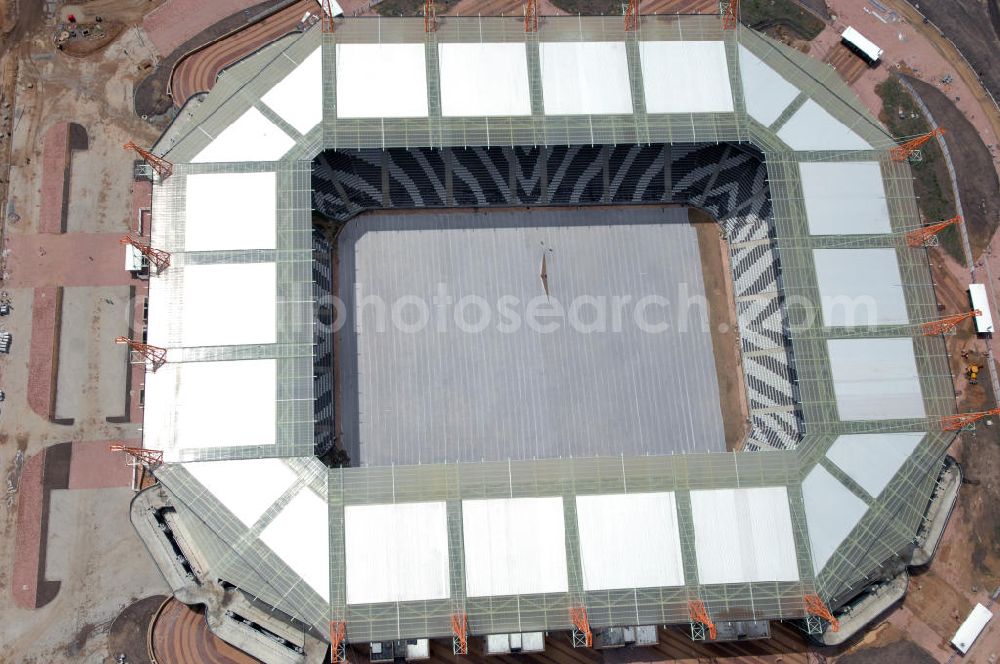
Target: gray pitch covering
{"type": "Point", "coordinates": [443, 394]}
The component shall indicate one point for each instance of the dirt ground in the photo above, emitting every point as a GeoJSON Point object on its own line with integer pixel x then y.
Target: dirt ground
{"type": "Point", "coordinates": [181, 636]}
{"type": "Point", "coordinates": [975, 29]}
{"type": "Point", "coordinates": [151, 94]}
{"type": "Point", "coordinates": [901, 652]}
{"type": "Point", "coordinates": [93, 552]}
{"type": "Point", "coordinates": [722, 321]}
{"type": "Point", "coordinates": [916, 49]}
{"type": "Point", "coordinates": [977, 180]}
{"type": "Point", "coordinates": [127, 635]}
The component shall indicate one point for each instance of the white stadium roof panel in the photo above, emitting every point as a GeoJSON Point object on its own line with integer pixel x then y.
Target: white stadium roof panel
{"type": "Point", "coordinates": [860, 287]}
{"type": "Point", "coordinates": [228, 304]}
{"type": "Point", "coordinates": [873, 459]}
{"type": "Point", "coordinates": [813, 128]}
{"type": "Point", "coordinates": [744, 535]}
{"type": "Point", "coordinates": [161, 313]}
{"type": "Point", "coordinates": [629, 541]}
{"type": "Point", "coordinates": [396, 552]}
{"type": "Point", "coordinates": [514, 546]}
{"type": "Point", "coordinates": [298, 97]}
{"type": "Point", "coordinates": [685, 77]}
{"type": "Point", "coordinates": [875, 379]}
{"type": "Point", "coordinates": [381, 81]}
{"type": "Point", "coordinates": [585, 78]}
{"type": "Point", "coordinates": [196, 405]}
{"type": "Point", "coordinates": [300, 535]}
{"type": "Point", "coordinates": [251, 137]}
{"type": "Point", "coordinates": [767, 93]}
{"type": "Point", "coordinates": [225, 211]}
{"type": "Point", "coordinates": [844, 198]}
{"type": "Point", "coordinates": [484, 79]}
{"type": "Point", "coordinates": [247, 487]}
{"type": "Point", "coordinates": [832, 511]}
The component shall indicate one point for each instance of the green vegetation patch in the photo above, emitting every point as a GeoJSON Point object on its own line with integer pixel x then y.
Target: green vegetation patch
{"type": "Point", "coordinates": [931, 184]}
{"type": "Point", "coordinates": [764, 15]}
{"type": "Point", "coordinates": [411, 7]}
{"type": "Point", "coordinates": [591, 7]}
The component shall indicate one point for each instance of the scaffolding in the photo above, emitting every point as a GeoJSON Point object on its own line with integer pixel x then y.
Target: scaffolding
{"type": "Point", "coordinates": [329, 26]}
{"type": "Point", "coordinates": [910, 149]}
{"type": "Point", "coordinates": [531, 16]}
{"type": "Point", "coordinates": [818, 611]}
{"type": "Point", "coordinates": [460, 634]}
{"type": "Point", "coordinates": [730, 14]}
{"type": "Point", "coordinates": [582, 637]}
{"type": "Point", "coordinates": [632, 16]}
{"type": "Point", "coordinates": [162, 167]}
{"type": "Point", "coordinates": [948, 323]}
{"type": "Point", "coordinates": [157, 257]}
{"type": "Point", "coordinates": [702, 627]}
{"type": "Point", "coordinates": [152, 356]}
{"type": "Point", "coordinates": [922, 236]}
{"type": "Point", "coordinates": [430, 17]}
{"type": "Point", "coordinates": [149, 458]}
{"type": "Point", "coordinates": [142, 461]}
{"type": "Point", "coordinates": [966, 420]}
{"type": "Point", "coordinates": [338, 645]}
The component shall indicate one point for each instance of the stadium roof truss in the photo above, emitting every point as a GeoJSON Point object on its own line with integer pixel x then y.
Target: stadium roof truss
{"type": "Point", "coordinates": [749, 533]}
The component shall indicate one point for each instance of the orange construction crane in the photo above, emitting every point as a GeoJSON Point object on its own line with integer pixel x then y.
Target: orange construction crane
{"type": "Point", "coordinates": [162, 167]}
{"type": "Point", "coordinates": [460, 631]}
{"type": "Point", "coordinates": [816, 607]}
{"type": "Point", "coordinates": [962, 420]}
{"type": "Point", "coordinates": [578, 614]}
{"type": "Point", "coordinates": [327, 8]}
{"type": "Point", "coordinates": [151, 458]}
{"type": "Point", "coordinates": [430, 16]}
{"type": "Point", "coordinates": [338, 631]}
{"type": "Point", "coordinates": [731, 16]}
{"type": "Point", "coordinates": [531, 16]}
{"type": "Point", "coordinates": [158, 257]}
{"type": "Point", "coordinates": [699, 614]}
{"type": "Point", "coordinates": [922, 235]}
{"type": "Point", "coordinates": [903, 151]}
{"type": "Point", "coordinates": [155, 355]}
{"type": "Point", "coordinates": [948, 323]}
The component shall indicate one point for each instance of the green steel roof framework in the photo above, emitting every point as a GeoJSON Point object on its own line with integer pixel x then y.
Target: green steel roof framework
{"type": "Point", "coordinates": [893, 518]}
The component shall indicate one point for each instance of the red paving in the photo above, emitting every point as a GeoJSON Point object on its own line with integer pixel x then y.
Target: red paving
{"type": "Point", "coordinates": [175, 21]}
{"type": "Point", "coordinates": [142, 197]}
{"type": "Point", "coordinates": [28, 540]}
{"type": "Point", "coordinates": [70, 259]}
{"type": "Point", "coordinates": [55, 173]}
{"type": "Point", "coordinates": [93, 466]}
{"type": "Point", "coordinates": [197, 71]}
{"type": "Point", "coordinates": [44, 350]}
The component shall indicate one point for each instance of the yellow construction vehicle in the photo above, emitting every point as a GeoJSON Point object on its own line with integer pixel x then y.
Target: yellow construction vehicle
{"type": "Point", "coordinates": [972, 373]}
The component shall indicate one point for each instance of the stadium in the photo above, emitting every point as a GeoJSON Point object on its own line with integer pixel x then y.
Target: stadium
{"type": "Point", "coordinates": [326, 480]}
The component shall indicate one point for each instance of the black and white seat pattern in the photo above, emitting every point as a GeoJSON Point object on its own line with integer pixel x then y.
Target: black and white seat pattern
{"type": "Point", "coordinates": [727, 180]}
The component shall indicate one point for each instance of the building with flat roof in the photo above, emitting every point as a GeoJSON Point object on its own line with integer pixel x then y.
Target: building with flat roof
{"type": "Point", "coordinates": [512, 485]}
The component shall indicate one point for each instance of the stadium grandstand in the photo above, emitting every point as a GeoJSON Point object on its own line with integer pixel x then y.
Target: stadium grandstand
{"type": "Point", "coordinates": [382, 153]}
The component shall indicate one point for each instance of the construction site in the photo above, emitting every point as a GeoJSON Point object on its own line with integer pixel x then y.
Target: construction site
{"type": "Point", "coordinates": [466, 336]}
